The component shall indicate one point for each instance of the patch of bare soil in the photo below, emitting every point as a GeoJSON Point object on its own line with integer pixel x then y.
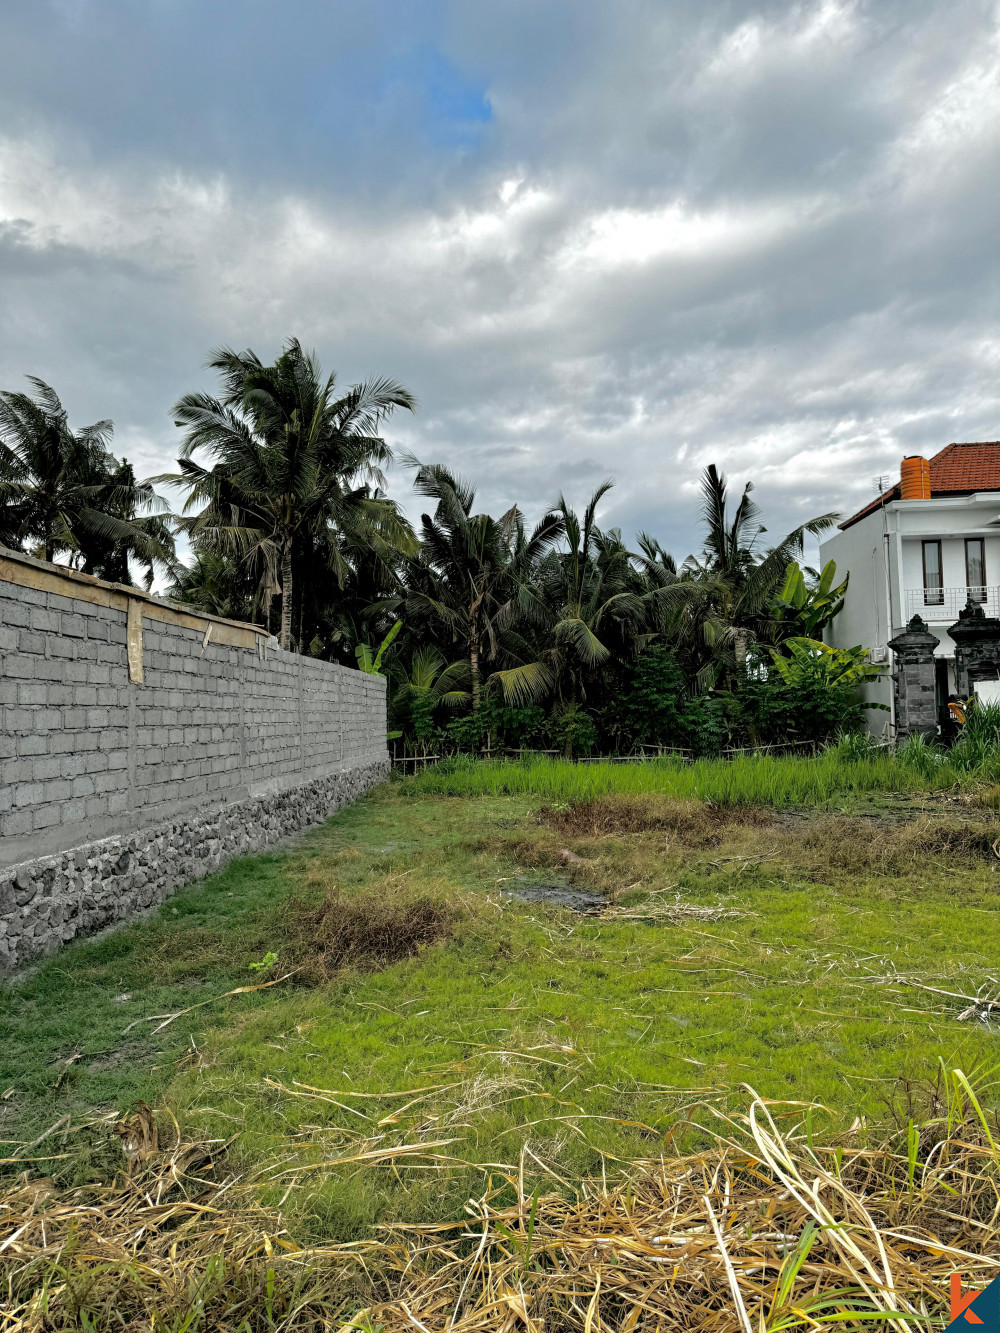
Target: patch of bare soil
{"type": "Point", "coordinates": [369, 933]}
{"type": "Point", "coordinates": [130, 1053]}
{"type": "Point", "coordinates": [587, 901]}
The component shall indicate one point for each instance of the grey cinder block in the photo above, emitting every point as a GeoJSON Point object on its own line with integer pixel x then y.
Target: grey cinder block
{"type": "Point", "coordinates": [82, 747]}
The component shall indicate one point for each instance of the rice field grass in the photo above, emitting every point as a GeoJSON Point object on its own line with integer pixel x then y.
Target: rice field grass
{"type": "Point", "coordinates": [748, 780]}
{"type": "Point", "coordinates": [372, 1029]}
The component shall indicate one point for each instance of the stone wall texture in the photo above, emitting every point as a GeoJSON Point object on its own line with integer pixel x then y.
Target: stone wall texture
{"type": "Point", "coordinates": [913, 680]}
{"type": "Point", "coordinates": [142, 745]}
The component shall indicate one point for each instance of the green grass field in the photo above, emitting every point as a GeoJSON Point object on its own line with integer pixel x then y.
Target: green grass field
{"type": "Point", "coordinates": [583, 1039]}
{"type": "Point", "coordinates": [836, 775]}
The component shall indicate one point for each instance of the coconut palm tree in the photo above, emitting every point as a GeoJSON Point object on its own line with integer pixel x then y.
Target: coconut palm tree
{"type": "Point", "coordinates": [63, 491]}
{"type": "Point", "coordinates": [656, 566]}
{"type": "Point", "coordinates": [584, 604]}
{"type": "Point", "coordinates": [730, 592]}
{"type": "Point", "coordinates": [216, 584]}
{"type": "Point", "coordinates": [468, 568]}
{"type": "Point", "coordinates": [294, 467]}
{"type": "Point", "coordinates": [135, 527]}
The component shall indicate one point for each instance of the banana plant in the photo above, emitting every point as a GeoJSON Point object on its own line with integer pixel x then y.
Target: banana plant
{"type": "Point", "coordinates": [370, 660]}
{"type": "Point", "coordinates": [841, 666]}
{"type": "Point", "coordinates": [809, 608]}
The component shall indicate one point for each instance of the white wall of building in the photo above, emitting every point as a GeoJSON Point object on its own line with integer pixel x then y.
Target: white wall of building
{"type": "Point", "coordinates": [862, 553]}
{"type": "Point", "coordinates": [883, 555]}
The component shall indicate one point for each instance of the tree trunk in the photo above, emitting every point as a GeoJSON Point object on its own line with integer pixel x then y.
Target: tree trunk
{"type": "Point", "coordinates": [474, 670]}
{"type": "Point", "coordinates": [477, 602]}
{"type": "Point", "coordinates": [286, 597]}
{"type": "Point", "coordinates": [742, 638]}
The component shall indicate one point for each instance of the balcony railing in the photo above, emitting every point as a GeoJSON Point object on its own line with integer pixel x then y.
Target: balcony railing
{"type": "Point", "coordinates": [944, 604]}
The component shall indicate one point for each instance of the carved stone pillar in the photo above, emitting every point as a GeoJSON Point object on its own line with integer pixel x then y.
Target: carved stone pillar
{"type": "Point", "coordinates": [977, 648]}
{"type": "Point", "coordinates": [913, 680]}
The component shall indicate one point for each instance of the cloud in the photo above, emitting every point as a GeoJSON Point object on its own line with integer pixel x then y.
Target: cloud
{"type": "Point", "coordinates": [593, 239]}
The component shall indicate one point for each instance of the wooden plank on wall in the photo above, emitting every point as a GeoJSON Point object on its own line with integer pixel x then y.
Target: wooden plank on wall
{"type": "Point", "coordinates": [27, 572]}
{"type": "Point", "coordinates": [134, 640]}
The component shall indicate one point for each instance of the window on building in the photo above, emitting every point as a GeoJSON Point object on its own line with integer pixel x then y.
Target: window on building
{"type": "Point", "coordinates": [975, 569]}
{"type": "Point", "coordinates": [933, 582]}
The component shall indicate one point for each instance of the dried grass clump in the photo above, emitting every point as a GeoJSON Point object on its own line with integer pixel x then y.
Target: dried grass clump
{"type": "Point", "coordinates": [695, 822]}
{"type": "Point", "coordinates": [761, 1233]}
{"type": "Point", "coordinates": [369, 932]}
{"type": "Point", "coordinates": [766, 1229]}
{"type": "Point", "coordinates": [167, 1246]}
{"type": "Point", "coordinates": [966, 840]}
{"type": "Point", "coordinates": [888, 846]}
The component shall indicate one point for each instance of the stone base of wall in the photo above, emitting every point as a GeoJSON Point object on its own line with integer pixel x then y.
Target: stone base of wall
{"type": "Point", "coordinates": [48, 901]}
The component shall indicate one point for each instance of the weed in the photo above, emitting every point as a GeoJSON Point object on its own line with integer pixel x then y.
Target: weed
{"type": "Point", "coordinates": [367, 933]}
{"type": "Point", "coordinates": [696, 821]}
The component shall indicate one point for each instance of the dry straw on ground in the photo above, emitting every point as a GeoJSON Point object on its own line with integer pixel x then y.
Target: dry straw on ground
{"type": "Point", "coordinates": [694, 821]}
{"type": "Point", "coordinates": [762, 1231]}
{"type": "Point", "coordinates": [664, 905]}
{"type": "Point", "coordinates": [369, 932]}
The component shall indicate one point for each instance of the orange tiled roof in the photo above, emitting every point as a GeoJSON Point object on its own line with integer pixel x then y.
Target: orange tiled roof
{"type": "Point", "coordinates": [959, 469]}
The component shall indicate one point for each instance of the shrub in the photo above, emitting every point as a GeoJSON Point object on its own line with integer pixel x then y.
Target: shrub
{"type": "Point", "coordinates": [573, 731]}
{"type": "Point", "coordinates": [707, 725]}
{"type": "Point", "coordinates": [805, 706]}
{"type": "Point", "coordinates": [502, 725]}
{"type": "Point", "coordinates": [647, 703]}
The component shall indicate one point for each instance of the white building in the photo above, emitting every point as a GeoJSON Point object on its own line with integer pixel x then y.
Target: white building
{"type": "Point", "coordinates": [924, 547]}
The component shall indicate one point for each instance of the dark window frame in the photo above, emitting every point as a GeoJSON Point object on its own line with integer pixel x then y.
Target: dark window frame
{"type": "Point", "coordinates": [933, 592]}
{"type": "Point", "coordinates": [980, 585]}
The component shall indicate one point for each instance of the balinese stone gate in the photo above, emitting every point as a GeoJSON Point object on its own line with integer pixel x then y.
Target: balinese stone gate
{"type": "Point", "coordinates": [913, 680]}
{"type": "Point", "coordinates": [977, 648]}
{"type": "Point", "coordinates": [143, 745]}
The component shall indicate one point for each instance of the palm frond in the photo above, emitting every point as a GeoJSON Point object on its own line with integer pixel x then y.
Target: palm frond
{"type": "Point", "coordinates": [523, 684]}
{"type": "Point", "coordinates": [577, 634]}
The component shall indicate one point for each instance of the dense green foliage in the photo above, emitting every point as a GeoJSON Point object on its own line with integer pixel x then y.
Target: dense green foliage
{"type": "Point", "coordinates": [569, 640]}
{"type": "Point", "coordinates": [494, 635]}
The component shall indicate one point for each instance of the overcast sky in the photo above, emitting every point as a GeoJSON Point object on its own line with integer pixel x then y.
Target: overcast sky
{"type": "Point", "coordinates": [594, 238]}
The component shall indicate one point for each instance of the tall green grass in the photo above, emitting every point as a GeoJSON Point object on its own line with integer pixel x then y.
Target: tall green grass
{"type": "Point", "coordinates": [851, 768]}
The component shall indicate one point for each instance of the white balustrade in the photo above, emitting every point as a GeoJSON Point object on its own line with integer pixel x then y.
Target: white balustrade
{"type": "Point", "coordinates": [944, 604]}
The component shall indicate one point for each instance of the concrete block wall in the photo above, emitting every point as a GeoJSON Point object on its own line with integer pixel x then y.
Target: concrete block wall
{"type": "Point", "coordinates": [63, 725]}
{"type": "Point", "coordinates": [122, 712]}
